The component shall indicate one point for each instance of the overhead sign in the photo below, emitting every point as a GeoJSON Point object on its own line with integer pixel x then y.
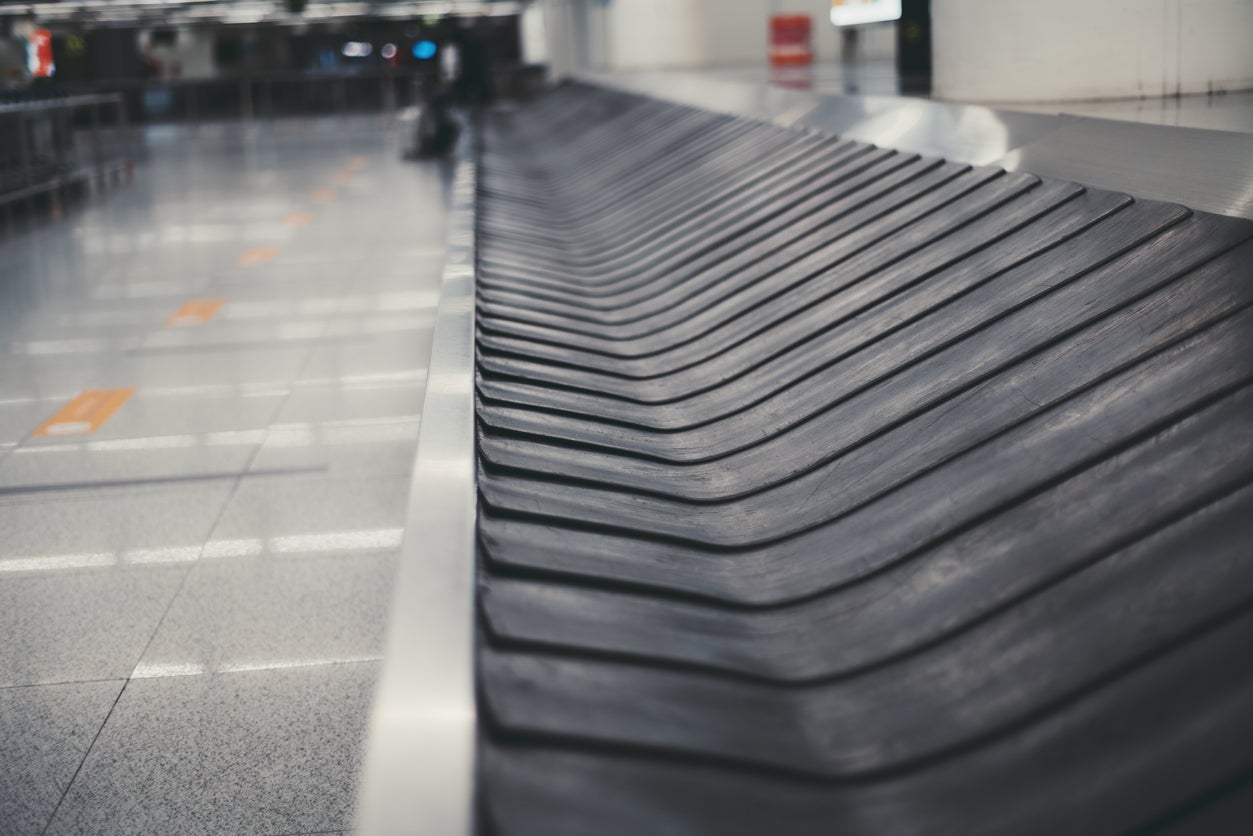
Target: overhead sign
{"type": "Point", "coordinates": [857, 12]}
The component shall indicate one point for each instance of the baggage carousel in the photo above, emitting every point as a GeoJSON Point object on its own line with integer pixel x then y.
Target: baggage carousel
{"type": "Point", "coordinates": [788, 473]}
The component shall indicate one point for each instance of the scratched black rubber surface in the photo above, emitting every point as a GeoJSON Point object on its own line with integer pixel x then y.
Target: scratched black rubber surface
{"type": "Point", "coordinates": [832, 489]}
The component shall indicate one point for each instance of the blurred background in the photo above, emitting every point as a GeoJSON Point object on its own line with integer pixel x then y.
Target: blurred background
{"type": "Point", "coordinates": [189, 59]}
{"type": "Point", "coordinates": [136, 62]}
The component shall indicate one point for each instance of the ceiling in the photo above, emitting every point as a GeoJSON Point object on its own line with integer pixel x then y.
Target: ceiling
{"type": "Point", "coordinates": [193, 12]}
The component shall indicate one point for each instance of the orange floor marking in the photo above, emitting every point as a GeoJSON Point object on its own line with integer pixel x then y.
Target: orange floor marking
{"type": "Point", "coordinates": [256, 255]}
{"type": "Point", "coordinates": [85, 412]}
{"type": "Point", "coordinates": [298, 219]}
{"type": "Point", "coordinates": [196, 312]}
{"type": "Point", "coordinates": [358, 163]}
{"type": "Point", "coordinates": [342, 177]}
{"type": "Point", "coordinates": [322, 195]}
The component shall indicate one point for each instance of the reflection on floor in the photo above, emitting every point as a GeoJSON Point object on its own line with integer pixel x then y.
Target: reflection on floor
{"type": "Point", "coordinates": [210, 383]}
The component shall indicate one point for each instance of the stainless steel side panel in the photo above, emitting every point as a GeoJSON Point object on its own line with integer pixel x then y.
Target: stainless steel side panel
{"type": "Point", "coordinates": [419, 770]}
{"type": "Point", "coordinates": [1207, 170]}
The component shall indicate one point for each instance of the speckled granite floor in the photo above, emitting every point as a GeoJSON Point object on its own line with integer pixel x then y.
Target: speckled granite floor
{"type": "Point", "coordinates": [194, 587]}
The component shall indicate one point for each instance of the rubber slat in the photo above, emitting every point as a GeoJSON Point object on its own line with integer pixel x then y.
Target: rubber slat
{"type": "Point", "coordinates": [826, 488]}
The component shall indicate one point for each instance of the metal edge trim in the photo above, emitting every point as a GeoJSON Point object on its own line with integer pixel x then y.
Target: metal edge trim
{"type": "Point", "coordinates": [419, 765]}
{"type": "Point", "coordinates": [1203, 169]}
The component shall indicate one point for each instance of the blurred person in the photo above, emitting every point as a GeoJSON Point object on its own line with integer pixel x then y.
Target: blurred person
{"type": "Point", "coordinates": [437, 127]}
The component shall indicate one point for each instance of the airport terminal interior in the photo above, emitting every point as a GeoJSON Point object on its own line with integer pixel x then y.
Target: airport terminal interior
{"type": "Point", "coordinates": [572, 417]}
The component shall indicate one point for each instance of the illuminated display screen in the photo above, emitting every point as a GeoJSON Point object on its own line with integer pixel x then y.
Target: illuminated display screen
{"type": "Point", "coordinates": [857, 12]}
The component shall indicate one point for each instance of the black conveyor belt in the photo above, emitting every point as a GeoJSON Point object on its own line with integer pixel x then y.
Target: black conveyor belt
{"type": "Point", "coordinates": [833, 489]}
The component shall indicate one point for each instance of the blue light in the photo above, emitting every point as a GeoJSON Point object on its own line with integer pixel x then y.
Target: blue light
{"type": "Point", "coordinates": [424, 50]}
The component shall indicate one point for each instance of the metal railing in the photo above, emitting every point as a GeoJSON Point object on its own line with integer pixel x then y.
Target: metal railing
{"type": "Point", "coordinates": [276, 95]}
{"type": "Point", "coordinates": [253, 97]}
{"type": "Point", "coordinates": [50, 146]}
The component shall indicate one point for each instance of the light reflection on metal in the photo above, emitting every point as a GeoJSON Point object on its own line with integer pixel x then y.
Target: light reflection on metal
{"type": "Point", "coordinates": [420, 758]}
{"type": "Point", "coordinates": [1203, 169]}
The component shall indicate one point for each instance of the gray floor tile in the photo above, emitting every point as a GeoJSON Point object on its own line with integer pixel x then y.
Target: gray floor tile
{"type": "Point", "coordinates": [130, 461]}
{"type": "Point", "coordinates": [124, 527]}
{"type": "Point", "coordinates": [334, 403]}
{"type": "Point", "coordinates": [281, 279]}
{"type": "Point", "coordinates": [267, 304]}
{"type": "Point", "coordinates": [45, 732]}
{"type": "Point", "coordinates": [390, 352]}
{"type": "Point", "coordinates": [80, 626]}
{"type": "Point", "coordinates": [73, 317]}
{"type": "Point", "coordinates": [156, 414]}
{"type": "Point", "coordinates": [291, 516]}
{"type": "Point", "coordinates": [232, 367]}
{"type": "Point", "coordinates": [220, 336]}
{"type": "Point", "coordinates": [317, 363]}
{"type": "Point", "coordinates": [266, 613]}
{"type": "Point", "coordinates": [145, 288]}
{"type": "Point", "coordinates": [347, 330]}
{"type": "Point", "coordinates": [19, 419]}
{"type": "Point", "coordinates": [23, 377]}
{"type": "Point", "coordinates": [261, 752]}
{"type": "Point", "coordinates": [353, 448]}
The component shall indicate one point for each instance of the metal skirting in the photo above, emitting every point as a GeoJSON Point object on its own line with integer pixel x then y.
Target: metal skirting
{"type": "Point", "coordinates": [420, 758]}
{"type": "Point", "coordinates": [830, 488]}
{"type": "Point", "coordinates": [1203, 169]}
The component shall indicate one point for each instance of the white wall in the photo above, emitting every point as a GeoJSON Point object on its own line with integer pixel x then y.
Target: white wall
{"type": "Point", "coordinates": [687, 34]}
{"type": "Point", "coordinates": [533, 27]}
{"type": "Point", "coordinates": [573, 34]}
{"type": "Point", "coordinates": [878, 41]}
{"type": "Point", "coordinates": [658, 34]}
{"type": "Point", "coordinates": [1025, 50]}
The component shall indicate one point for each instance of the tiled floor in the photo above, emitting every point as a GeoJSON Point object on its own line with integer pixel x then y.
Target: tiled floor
{"type": "Point", "coordinates": [194, 587]}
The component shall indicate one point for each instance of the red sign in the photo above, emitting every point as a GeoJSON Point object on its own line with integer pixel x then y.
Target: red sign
{"type": "Point", "coordinates": [790, 43]}
{"type": "Point", "coordinates": [39, 54]}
